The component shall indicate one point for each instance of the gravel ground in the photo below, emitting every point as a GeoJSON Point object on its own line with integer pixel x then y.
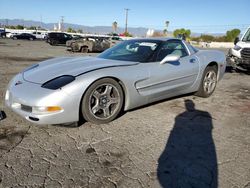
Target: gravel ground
{"type": "Point", "coordinates": [183, 142]}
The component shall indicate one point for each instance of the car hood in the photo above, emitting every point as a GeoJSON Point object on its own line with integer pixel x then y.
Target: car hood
{"type": "Point", "coordinates": [243, 44]}
{"type": "Point", "coordinates": [74, 66]}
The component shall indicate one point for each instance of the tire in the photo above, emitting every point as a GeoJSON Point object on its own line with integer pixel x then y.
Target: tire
{"type": "Point", "coordinates": [31, 38]}
{"type": "Point", "coordinates": [102, 102]}
{"type": "Point", "coordinates": [74, 47]}
{"type": "Point", "coordinates": [53, 43]}
{"type": "Point", "coordinates": [14, 38]}
{"type": "Point", "coordinates": [208, 82]}
{"type": "Point", "coordinates": [84, 49]}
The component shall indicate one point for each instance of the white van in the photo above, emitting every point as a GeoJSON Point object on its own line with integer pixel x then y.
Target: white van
{"type": "Point", "coordinates": [239, 56]}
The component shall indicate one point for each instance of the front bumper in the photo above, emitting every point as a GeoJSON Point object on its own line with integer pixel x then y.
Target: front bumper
{"type": "Point", "coordinates": [24, 96]}
{"type": "Point", "coordinates": [239, 59]}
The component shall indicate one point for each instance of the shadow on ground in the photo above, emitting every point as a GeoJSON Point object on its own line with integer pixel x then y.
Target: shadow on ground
{"type": "Point", "coordinates": [10, 137]}
{"type": "Point", "coordinates": [230, 69]}
{"type": "Point", "coordinates": [189, 158]}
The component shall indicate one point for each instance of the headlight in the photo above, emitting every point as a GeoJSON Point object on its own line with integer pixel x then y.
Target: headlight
{"type": "Point", "coordinates": [237, 47]}
{"type": "Point", "coordinates": [58, 82]}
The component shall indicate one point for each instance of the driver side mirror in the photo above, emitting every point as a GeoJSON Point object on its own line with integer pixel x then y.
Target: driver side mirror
{"type": "Point", "coordinates": [170, 58]}
{"type": "Point", "coordinates": [236, 40]}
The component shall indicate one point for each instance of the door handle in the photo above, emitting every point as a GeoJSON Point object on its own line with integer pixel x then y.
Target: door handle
{"type": "Point", "coordinates": [192, 60]}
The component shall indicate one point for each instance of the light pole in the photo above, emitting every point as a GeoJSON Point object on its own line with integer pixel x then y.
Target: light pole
{"type": "Point", "coordinates": [126, 23]}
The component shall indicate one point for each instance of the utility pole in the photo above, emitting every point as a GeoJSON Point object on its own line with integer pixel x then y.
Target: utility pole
{"type": "Point", "coordinates": [62, 23]}
{"type": "Point", "coordinates": [126, 23]}
{"type": "Point", "coordinates": [41, 20]}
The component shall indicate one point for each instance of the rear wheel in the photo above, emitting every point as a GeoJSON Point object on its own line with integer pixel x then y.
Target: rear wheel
{"type": "Point", "coordinates": [84, 49]}
{"type": "Point", "coordinates": [208, 82]}
{"type": "Point", "coordinates": [15, 38]}
{"type": "Point", "coordinates": [103, 101]}
{"type": "Point", "coordinates": [31, 38]}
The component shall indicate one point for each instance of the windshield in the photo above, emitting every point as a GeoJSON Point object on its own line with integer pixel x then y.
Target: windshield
{"type": "Point", "coordinates": [132, 50]}
{"type": "Point", "coordinates": [246, 37]}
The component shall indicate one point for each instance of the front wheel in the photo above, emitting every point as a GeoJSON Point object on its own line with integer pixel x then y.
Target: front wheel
{"type": "Point", "coordinates": [103, 101]}
{"type": "Point", "coordinates": [31, 38]}
{"type": "Point", "coordinates": [53, 43]}
{"type": "Point", "coordinates": [208, 82]}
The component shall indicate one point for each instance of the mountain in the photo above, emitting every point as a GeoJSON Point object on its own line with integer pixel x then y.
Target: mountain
{"type": "Point", "coordinates": [135, 31]}
{"type": "Point", "coordinates": [139, 31]}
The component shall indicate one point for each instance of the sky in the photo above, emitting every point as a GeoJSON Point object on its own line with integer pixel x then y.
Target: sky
{"type": "Point", "coordinates": [201, 16]}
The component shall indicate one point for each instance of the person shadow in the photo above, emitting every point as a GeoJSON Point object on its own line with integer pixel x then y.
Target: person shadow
{"type": "Point", "coordinates": [189, 159]}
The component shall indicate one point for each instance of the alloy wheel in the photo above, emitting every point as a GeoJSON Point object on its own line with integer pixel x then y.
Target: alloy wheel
{"type": "Point", "coordinates": [104, 101]}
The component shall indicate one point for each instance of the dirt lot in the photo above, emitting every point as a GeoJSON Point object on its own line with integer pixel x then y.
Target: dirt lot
{"type": "Point", "coordinates": [171, 143]}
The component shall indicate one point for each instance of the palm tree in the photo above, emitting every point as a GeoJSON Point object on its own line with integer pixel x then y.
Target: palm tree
{"type": "Point", "coordinates": [114, 26]}
{"type": "Point", "coordinates": [165, 31]}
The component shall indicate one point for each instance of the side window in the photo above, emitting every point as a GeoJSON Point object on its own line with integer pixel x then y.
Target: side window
{"type": "Point", "coordinates": [171, 47]}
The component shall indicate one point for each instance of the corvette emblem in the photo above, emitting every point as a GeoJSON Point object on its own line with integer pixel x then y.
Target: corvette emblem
{"type": "Point", "coordinates": [18, 83]}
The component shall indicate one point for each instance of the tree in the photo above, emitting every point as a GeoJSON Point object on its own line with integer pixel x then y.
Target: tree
{"type": "Point", "coordinates": [220, 39]}
{"type": "Point", "coordinates": [196, 39]}
{"type": "Point", "coordinates": [79, 31]}
{"type": "Point", "coordinates": [114, 26]}
{"type": "Point", "coordinates": [127, 34]}
{"type": "Point", "coordinates": [32, 28]}
{"type": "Point", "coordinates": [70, 30]}
{"type": "Point", "coordinates": [158, 34]}
{"type": "Point", "coordinates": [232, 34]}
{"type": "Point", "coordinates": [182, 31]}
{"type": "Point", "coordinates": [10, 27]}
{"type": "Point", "coordinates": [19, 27]}
{"type": "Point", "coordinates": [165, 31]}
{"type": "Point", "coordinates": [207, 38]}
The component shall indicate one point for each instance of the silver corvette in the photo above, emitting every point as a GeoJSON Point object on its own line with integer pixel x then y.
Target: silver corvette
{"type": "Point", "coordinates": [130, 74]}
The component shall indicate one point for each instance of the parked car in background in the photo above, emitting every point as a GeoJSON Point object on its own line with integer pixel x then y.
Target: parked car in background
{"type": "Point", "coordinates": [74, 39]}
{"type": "Point", "coordinates": [128, 75]}
{"type": "Point", "coordinates": [75, 36]}
{"type": "Point", "coordinates": [39, 35]}
{"type": "Point", "coordinates": [55, 38]}
{"type": "Point", "coordinates": [25, 36]}
{"type": "Point", "coordinates": [115, 40]}
{"type": "Point", "coordinates": [239, 56]}
{"type": "Point", "coordinates": [3, 33]}
{"type": "Point", "coordinates": [10, 35]}
{"type": "Point", "coordinates": [90, 44]}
